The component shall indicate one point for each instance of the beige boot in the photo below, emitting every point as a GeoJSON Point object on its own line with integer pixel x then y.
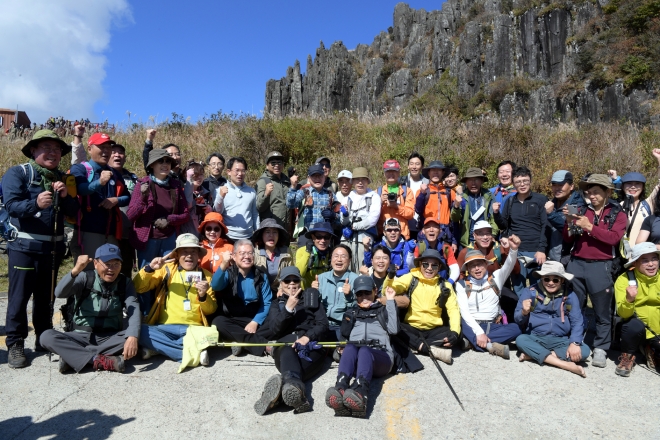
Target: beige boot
{"type": "Point", "coordinates": [499, 350]}
{"type": "Point", "coordinates": [441, 354]}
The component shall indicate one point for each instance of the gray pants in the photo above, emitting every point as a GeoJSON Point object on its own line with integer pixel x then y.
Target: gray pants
{"type": "Point", "coordinates": [79, 348]}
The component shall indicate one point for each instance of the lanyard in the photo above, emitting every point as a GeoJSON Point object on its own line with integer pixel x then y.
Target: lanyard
{"type": "Point", "coordinates": [184, 284]}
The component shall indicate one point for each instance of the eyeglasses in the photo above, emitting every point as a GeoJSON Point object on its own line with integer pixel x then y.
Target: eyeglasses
{"type": "Point", "coordinates": [482, 233]}
{"type": "Point", "coordinates": [52, 150]}
{"type": "Point", "coordinates": [216, 165]}
{"type": "Point", "coordinates": [112, 266]}
{"type": "Point", "coordinates": [325, 165]}
{"type": "Point", "coordinates": [634, 184]}
{"type": "Point", "coordinates": [392, 230]}
{"type": "Point", "coordinates": [325, 237]}
{"type": "Point", "coordinates": [290, 281]}
{"type": "Point", "coordinates": [522, 182]}
{"type": "Point", "coordinates": [553, 280]}
{"type": "Point", "coordinates": [238, 171]}
{"type": "Point", "coordinates": [340, 257]}
{"type": "Point", "coordinates": [381, 258]}
{"type": "Point", "coordinates": [212, 229]}
{"type": "Point", "coordinates": [244, 254]}
{"type": "Point", "coordinates": [433, 266]}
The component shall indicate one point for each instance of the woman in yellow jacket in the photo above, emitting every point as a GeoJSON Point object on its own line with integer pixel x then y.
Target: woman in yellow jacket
{"type": "Point", "coordinates": [184, 298]}
{"type": "Point", "coordinates": [432, 303]}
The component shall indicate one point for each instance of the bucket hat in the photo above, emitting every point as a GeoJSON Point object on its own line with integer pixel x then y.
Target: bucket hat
{"type": "Point", "coordinates": [42, 135]}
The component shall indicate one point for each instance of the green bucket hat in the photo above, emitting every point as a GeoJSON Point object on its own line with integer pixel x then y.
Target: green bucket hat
{"type": "Point", "coordinates": [44, 135]}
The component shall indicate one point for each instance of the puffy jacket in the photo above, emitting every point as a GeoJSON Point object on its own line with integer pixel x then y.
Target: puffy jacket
{"type": "Point", "coordinates": [274, 205]}
{"type": "Point", "coordinates": [435, 203]}
{"type": "Point", "coordinates": [304, 321]}
{"type": "Point", "coordinates": [402, 255]}
{"type": "Point", "coordinates": [424, 313]}
{"type": "Point", "coordinates": [404, 211]}
{"type": "Point", "coordinates": [545, 320]}
{"type": "Point", "coordinates": [463, 216]}
{"type": "Point", "coordinates": [211, 261]}
{"type": "Point", "coordinates": [369, 327]}
{"type": "Point", "coordinates": [332, 296]}
{"type": "Point", "coordinates": [309, 270]}
{"type": "Point", "coordinates": [647, 302]}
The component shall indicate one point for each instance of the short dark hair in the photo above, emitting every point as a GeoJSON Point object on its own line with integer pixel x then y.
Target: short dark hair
{"type": "Point", "coordinates": [451, 169]}
{"type": "Point", "coordinates": [218, 155]}
{"type": "Point", "coordinates": [345, 247]}
{"type": "Point", "coordinates": [233, 160]}
{"type": "Point", "coordinates": [522, 171]}
{"type": "Point", "coordinates": [415, 154]}
{"type": "Point", "coordinates": [166, 146]}
{"type": "Point", "coordinates": [384, 249]}
{"type": "Point", "coordinates": [506, 162]}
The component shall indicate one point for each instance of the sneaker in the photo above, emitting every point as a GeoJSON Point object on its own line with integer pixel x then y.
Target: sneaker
{"type": "Point", "coordinates": [499, 350]}
{"type": "Point", "coordinates": [356, 397]}
{"type": "Point", "coordinates": [334, 397]}
{"type": "Point", "coordinates": [204, 358]}
{"type": "Point", "coordinates": [16, 357]}
{"type": "Point", "coordinates": [441, 354]}
{"type": "Point", "coordinates": [62, 366]}
{"type": "Point", "coordinates": [146, 353]}
{"type": "Point", "coordinates": [599, 358]}
{"type": "Point", "coordinates": [626, 364]}
{"type": "Point", "coordinates": [270, 396]}
{"type": "Point", "coordinates": [652, 357]}
{"type": "Point", "coordinates": [236, 351]}
{"type": "Point", "coordinates": [109, 363]}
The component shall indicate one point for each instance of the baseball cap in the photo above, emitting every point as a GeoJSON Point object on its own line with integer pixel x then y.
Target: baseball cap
{"type": "Point", "coordinates": [482, 224]}
{"type": "Point", "coordinates": [274, 155]}
{"type": "Point", "coordinates": [391, 165]}
{"type": "Point", "coordinates": [562, 176]}
{"type": "Point", "coordinates": [99, 138]}
{"type": "Point", "coordinates": [362, 283]}
{"type": "Point", "coordinates": [322, 158]}
{"type": "Point", "coordinates": [290, 271]}
{"type": "Point", "coordinates": [108, 252]}
{"type": "Point", "coordinates": [392, 221]}
{"type": "Point", "coordinates": [314, 169]}
{"type": "Point", "coordinates": [345, 173]}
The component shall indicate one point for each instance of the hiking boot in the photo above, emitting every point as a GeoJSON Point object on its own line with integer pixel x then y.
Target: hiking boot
{"type": "Point", "coordinates": [293, 393]}
{"type": "Point", "coordinates": [356, 397]}
{"type": "Point", "coordinates": [441, 354]}
{"type": "Point", "coordinates": [109, 363]}
{"type": "Point", "coordinates": [336, 355]}
{"type": "Point", "coordinates": [499, 350]}
{"type": "Point", "coordinates": [147, 353]}
{"type": "Point", "coordinates": [62, 366]}
{"type": "Point", "coordinates": [16, 357]}
{"type": "Point", "coordinates": [204, 358]}
{"type": "Point", "coordinates": [465, 344]}
{"type": "Point", "coordinates": [334, 397]}
{"type": "Point", "coordinates": [236, 351]}
{"type": "Point", "coordinates": [599, 358]}
{"type": "Point", "coordinates": [270, 396]}
{"type": "Point", "coordinates": [652, 357]}
{"type": "Point", "coordinates": [626, 364]}
{"type": "Point", "coordinates": [38, 347]}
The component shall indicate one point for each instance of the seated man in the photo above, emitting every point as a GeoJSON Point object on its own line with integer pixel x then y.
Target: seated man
{"type": "Point", "coordinates": [313, 258]}
{"type": "Point", "coordinates": [244, 294]}
{"type": "Point", "coordinates": [550, 316]}
{"type": "Point", "coordinates": [97, 336]}
{"type": "Point", "coordinates": [479, 300]}
{"type": "Point", "coordinates": [180, 301]}
{"type": "Point", "coordinates": [433, 316]}
{"type": "Point", "coordinates": [401, 250]}
{"type": "Point", "coordinates": [438, 237]}
{"type": "Point", "coordinates": [637, 294]}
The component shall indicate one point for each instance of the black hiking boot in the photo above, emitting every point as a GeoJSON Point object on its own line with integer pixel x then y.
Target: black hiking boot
{"type": "Point", "coordinates": [16, 357]}
{"type": "Point", "coordinates": [356, 397]}
{"type": "Point", "coordinates": [334, 397]}
{"type": "Point", "coordinates": [293, 392]}
{"type": "Point", "coordinates": [270, 396]}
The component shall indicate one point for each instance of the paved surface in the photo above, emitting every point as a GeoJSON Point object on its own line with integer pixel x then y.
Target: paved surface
{"type": "Point", "coordinates": [503, 399]}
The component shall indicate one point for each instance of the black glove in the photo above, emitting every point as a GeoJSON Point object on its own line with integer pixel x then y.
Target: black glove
{"type": "Point", "coordinates": [452, 338]}
{"type": "Point", "coordinates": [391, 271]}
{"type": "Point", "coordinates": [327, 215]}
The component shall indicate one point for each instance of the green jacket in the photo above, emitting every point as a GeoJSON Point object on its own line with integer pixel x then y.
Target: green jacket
{"type": "Point", "coordinates": [273, 206]}
{"type": "Point", "coordinates": [462, 216]}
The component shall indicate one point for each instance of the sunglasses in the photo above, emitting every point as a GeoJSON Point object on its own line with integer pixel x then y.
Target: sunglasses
{"type": "Point", "coordinates": [392, 230]}
{"type": "Point", "coordinates": [290, 281]}
{"type": "Point", "coordinates": [212, 229]}
{"type": "Point", "coordinates": [553, 280]}
{"type": "Point", "coordinates": [322, 236]}
{"type": "Point", "coordinates": [363, 293]}
{"type": "Point", "coordinates": [163, 160]}
{"type": "Point", "coordinates": [275, 163]}
{"type": "Point", "coordinates": [433, 266]}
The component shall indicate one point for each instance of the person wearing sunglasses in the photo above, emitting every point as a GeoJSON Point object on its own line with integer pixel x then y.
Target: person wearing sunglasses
{"type": "Point", "coordinates": [271, 250]}
{"type": "Point", "coordinates": [433, 315]}
{"type": "Point", "coordinates": [97, 336]}
{"type": "Point", "coordinates": [313, 258]}
{"type": "Point", "coordinates": [402, 251]}
{"type": "Point", "coordinates": [272, 189]}
{"type": "Point", "coordinates": [550, 317]}
{"type": "Point", "coordinates": [213, 231]}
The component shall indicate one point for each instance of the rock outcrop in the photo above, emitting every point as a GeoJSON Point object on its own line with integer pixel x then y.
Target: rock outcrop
{"type": "Point", "coordinates": [478, 42]}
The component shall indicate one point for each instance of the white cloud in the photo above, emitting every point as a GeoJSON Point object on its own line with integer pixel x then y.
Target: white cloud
{"type": "Point", "coordinates": [52, 61]}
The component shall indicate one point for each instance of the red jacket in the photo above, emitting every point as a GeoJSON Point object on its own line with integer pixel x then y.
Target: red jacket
{"type": "Point", "coordinates": [600, 242]}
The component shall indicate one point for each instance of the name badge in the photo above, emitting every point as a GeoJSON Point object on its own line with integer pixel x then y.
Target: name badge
{"type": "Point", "coordinates": [216, 257]}
{"type": "Point", "coordinates": [186, 305]}
{"type": "Point", "coordinates": [112, 182]}
{"type": "Point", "coordinates": [478, 214]}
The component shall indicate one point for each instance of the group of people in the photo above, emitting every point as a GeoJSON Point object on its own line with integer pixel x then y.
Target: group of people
{"type": "Point", "coordinates": [59, 125]}
{"type": "Point", "coordinates": [427, 262]}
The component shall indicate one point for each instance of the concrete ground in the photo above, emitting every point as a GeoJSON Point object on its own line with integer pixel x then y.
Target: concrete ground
{"type": "Point", "coordinates": [502, 399]}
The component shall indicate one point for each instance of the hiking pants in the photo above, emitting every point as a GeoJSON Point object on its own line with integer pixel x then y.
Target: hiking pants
{"type": "Point", "coordinates": [413, 336]}
{"type": "Point", "coordinates": [233, 330]}
{"type": "Point", "coordinates": [287, 359]}
{"type": "Point", "coordinates": [79, 348]}
{"type": "Point", "coordinates": [30, 274]}
{"type": "Point", "coordinates": [367, 362]}
{"type": "Point", "coordinates": [501, 333]}
{"type": "Point", "coordinates": [593, 278]}
{"type": "Point", "coordinates": [540, 347]}
{"type": "Point", "coordinates": [633, 337]}
{"type": "Point", "coordinates": [127, 257]}
{"type": "Point", "coordinates": [166, 339]}
{"type": "Point", "coordinates": [90, 241]}
{"type": "Point", "coordinates": [156, 247]}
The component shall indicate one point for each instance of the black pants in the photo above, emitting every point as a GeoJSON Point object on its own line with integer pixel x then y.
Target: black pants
{"type": "Point", "coordinates": [287, 359]}
{"type": "Point", "coordinates": [29, 275]}
{"type": "Point", "coordinates": [508, 302]}
{"type": "Point", "coordinates": [633, 337]}
{"type": "Point", "coordinates": [413, 336]}
{"type": "Point", "coordinates": [233, 330]}
{"type": "Point", "coordinates": [127, 257]}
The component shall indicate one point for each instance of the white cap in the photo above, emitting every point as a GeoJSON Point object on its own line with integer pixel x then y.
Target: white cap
{"type": "Point", "coordinates": [482, 224]}
{"type": "Point", "coordinates": [345, 173]}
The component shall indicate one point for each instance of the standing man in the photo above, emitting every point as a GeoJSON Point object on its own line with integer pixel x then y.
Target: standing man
{"type": "Point", "coordinates": [505, 188]}
{"type": "Point", "coordinates": [328, 184]}
{"type": "Point", "coordinates": [216, 162]}
{"type": "Point", "coordinates": [272, 188]}
{"type": "Point", "coordinates": [237, 202]}
{"type": "Point", "coordinates": [314, 203]}
{"type": "Point", "coordinates": [397, 200]}
{"type": "Point", "coordinates": [413, 181]}
{"type": "Point", "coordinates": [30, 191]}
{"type": "Point", "coordinates": [478, 207]}
{"type": "Point", "coordinates": [564, 194]}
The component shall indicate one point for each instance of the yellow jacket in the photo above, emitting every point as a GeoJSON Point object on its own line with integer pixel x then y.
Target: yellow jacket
{"type": "Point", "coordinates": [172, 312]}
{"type": "Point", "coordinates": [309, 275]}
{"type": "Point", "coordinates": [647, 301]}
{"type": "Point", "coordinates": [424, 313]}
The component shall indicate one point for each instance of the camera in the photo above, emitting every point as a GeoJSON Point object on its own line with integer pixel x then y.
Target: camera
{"type": "Point", "coordinates": [391, 197]}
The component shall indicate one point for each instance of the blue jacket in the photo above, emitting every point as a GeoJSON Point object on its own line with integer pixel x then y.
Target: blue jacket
{"type": "Point", "coordinates": [21, 204]}
{"type": "Point", "coordinates": [333, 298]}
{"type": "Point", "coordinates": [499, 196]}
{"type": "Point", "coordinates": [545, 320]}
{"type": "Point", "coordinates": [399, 255]}
{"type": "Point", "coordinates": [245, 291]}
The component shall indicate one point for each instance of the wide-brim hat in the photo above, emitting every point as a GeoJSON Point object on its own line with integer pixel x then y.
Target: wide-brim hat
{"type": "Point", "coordinates": [156, 154]}
{"type": "Point", "coordinates": [553, 268]}
{"type": "Point", "coordinates": [189, 241]}
{"type": "Point", "coordinates": [474, 172]}
{"type": "Point", "coordinates": [282, 238]}
{"type": "Point", "coordinates": [43, 135]}
{"type": "Point", "coordinates": [430, 253]}
{"type": "Point", "coordinates": [641, 249]}
{"type": "Point", "coordinates": [361, 172]}
{"type": "Point", "coordinates": [212, 217]}
{"type": "Point", "coordinates": [320, 227]}
{"type": "Point", "coordinates": [473, 255]}
{"type": "Point", "coordinates": [596, 179]}
{"type": "Point", "coordinates": [435, 164]}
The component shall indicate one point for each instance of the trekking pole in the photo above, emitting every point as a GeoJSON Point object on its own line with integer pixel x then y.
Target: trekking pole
{"type": "Point", "coordinates": [56, 208]}
{"type": "Point", "coordinates": [370, 343]}
{"type": "Point", "coordinates": [435, 361]}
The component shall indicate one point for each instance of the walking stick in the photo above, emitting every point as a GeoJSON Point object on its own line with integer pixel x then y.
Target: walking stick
{"type": "Point", "coordinates": [435, 361]}
{"type": "Point", "coordinates": [56, 208]}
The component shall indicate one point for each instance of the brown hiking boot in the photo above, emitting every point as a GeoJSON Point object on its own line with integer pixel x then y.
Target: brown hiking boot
{"type": "Point", "coordinates": [626, 364]}
{"type": "Point", "coordinates": [109, 363]}
{"type": "Point", "coordinates": [652, 357]}
{"type": "Point", "coordinates": [499, 350]}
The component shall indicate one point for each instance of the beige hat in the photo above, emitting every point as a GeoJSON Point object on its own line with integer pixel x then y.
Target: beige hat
{"type": "Point", "coordinates": [596, 179]}
{"type": "Point", "coordinates": [553, 268]}
{"type": "Point", "coordinates": [361, 172]}
{"type": "Point", "coordinates": [189, 241]}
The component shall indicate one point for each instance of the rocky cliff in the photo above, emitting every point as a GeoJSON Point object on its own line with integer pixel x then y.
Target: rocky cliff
{"type": "Point", "coordinates": [481, 45]}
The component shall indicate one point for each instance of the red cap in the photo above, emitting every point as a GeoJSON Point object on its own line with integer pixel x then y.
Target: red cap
{"type": "Point", "coordinates": [99, 138]}
{"type": "Point", "coordinates": [391, 165]}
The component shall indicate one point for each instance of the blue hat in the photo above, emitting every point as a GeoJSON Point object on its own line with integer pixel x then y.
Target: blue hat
{"type": "Point", "coordinates": [290, 271]}
{"type": "Point", "coordinates": [562, 176]}
{"type": "Point", "coordinates": [633, 177]}
{"type": "Point", "coordinates": [320, 227]}
{"type": "Point", "coordinates": [108, 252]}
{"type": "Point", "coordinates": [315, 169]}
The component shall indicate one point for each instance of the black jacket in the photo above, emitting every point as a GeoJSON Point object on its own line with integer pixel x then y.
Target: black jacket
{"type": "Point", "coordinates": [212, 184]}
{"type": "Point", "coordinates": [304, 321]}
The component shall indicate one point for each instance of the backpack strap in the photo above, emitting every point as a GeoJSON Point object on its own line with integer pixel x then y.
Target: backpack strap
{"type": "Point", "coordinates": [25, 167]}
{"type": "Point", "coordinates": [411, 288]}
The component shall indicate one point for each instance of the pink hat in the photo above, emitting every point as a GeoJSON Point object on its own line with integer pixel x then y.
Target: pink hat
{"type": "Point", "coordinates": [391, 165]}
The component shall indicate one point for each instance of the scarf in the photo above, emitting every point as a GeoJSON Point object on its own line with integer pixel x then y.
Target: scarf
{"type": "Point", "coordinates": [157, 181]}
{"type": "Point", "coordinates": [47, 176]}
{"type": "Point", "coordinates": [550, 296]}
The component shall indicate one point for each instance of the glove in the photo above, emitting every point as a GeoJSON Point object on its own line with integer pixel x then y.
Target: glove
{"type": "Point", "coordinates": [391, 271]}
{"type": "Point", "coordinates": [327, 215]}
{"type": "Point", "coordinates": [452, 338]}
{"type": "Point", "coordinates": [347, 232]}
{"type": "Point", "coordinates": [303, 350]}
{"type": "Point", "coordinates": [161, 223]}
{"type": "Point", "coordinates": [344, 211]}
